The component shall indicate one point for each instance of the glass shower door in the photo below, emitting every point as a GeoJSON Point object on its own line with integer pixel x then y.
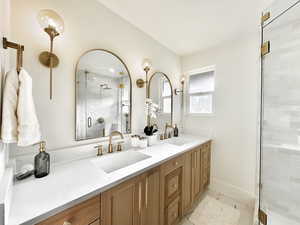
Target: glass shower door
{"type": "Point", "coordinates": [280, 142]}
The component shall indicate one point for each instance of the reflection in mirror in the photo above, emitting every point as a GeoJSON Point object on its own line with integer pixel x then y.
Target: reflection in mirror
{"type": "Point", "coordinates": [161, 93]}
{"type": "Point", "coordinates": [103, 95]}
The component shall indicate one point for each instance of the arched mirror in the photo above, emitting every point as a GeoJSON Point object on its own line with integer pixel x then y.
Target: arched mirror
{"type": "Point", "coordinates": [103, 95]}
{"type": "Point", "coordinates": [161, 93]}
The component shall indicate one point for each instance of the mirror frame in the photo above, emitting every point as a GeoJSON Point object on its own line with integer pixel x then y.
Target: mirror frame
{"type": "Point", "coordinates": [130, 94]}
{"type": "Point", "coordinates": [172, 99]}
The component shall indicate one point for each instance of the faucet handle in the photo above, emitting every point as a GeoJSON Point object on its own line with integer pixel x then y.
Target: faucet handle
{"type": "Point", "coordinates": [119, 146]}
{"type": "Point", "coordinates": [100, 150]}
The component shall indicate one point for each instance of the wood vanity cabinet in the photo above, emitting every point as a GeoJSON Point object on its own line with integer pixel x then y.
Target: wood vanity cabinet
{"type": "Point", "coordinates": [160, 196]}
{"type": "Point", "coordinates": [196, 175]}
{"type": "Point", "coordinates": [150, 213]}
{"type": "Point", "coordinates": [97, 222]}
{"type": "Point", "coordinates": [205, 165]}
{"type": "Point", "coordinates": [85, 213]}
{"type": "Point", "coordinates": [171, 191]}
{"type": "Point", "coordinates": [187, 200]}
{"type": "Point", "coordinates": [121, 205]}
{"type": "Point", "coordinates": [134, 202]}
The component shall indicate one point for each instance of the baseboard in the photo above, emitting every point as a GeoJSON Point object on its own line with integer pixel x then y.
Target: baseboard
{"type": "Point", "coordinates": [233, 192]}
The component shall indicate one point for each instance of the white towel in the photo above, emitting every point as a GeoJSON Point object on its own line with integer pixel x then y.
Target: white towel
{"type": "Point", "coordinates": [9, 129]}
{"type": "Point", "coordinates": [28, 124]}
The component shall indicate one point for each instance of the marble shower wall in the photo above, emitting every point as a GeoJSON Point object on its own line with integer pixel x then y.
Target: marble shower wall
{"type": "Point", "coordinates": [281, 117]}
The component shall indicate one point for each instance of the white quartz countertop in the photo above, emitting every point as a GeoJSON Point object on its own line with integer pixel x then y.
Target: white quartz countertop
{"type": "Point", "coordinates": [71, 183]}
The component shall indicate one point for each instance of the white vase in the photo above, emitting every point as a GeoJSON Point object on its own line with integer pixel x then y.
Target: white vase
{"type": "Point", "coordinates": [152, 140]}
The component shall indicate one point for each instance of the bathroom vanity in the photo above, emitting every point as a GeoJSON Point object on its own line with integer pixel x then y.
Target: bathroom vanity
{"type": "Point", "coordinates": [157, 190]}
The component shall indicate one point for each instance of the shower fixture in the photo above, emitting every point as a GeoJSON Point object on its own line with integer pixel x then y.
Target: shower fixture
{"type": "Point", "coordinates": [105, 87]}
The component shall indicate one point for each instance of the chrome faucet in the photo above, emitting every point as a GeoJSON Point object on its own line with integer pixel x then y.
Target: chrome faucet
{"type": "Point", "coordinates": [110, 145]}
{"type": "Point", "coordinates": [166, 135]}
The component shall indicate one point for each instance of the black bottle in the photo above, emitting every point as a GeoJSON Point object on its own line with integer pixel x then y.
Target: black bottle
{"type": "Point", "coordinates": [176, 132]}
{"type": "Point", "coordinates": [42, 162]}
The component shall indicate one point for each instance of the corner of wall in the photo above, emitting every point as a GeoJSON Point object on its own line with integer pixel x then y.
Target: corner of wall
{"type": "Point", "coordinates": [233, 192]}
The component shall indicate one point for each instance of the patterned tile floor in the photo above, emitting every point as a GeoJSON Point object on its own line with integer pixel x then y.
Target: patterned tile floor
{"type": "Point", "coordinates": [243, 213]}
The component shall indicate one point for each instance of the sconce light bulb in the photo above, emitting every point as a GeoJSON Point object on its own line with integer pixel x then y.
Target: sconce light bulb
{"type": "Point", "coordinates": [49, 18]}
{"type": "Point", "coordinates": [146, 64]}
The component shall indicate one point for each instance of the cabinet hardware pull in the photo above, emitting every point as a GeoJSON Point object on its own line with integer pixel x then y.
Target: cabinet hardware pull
{"type": "Point", "coordinates": [176, 163]}
{"type": "Point", "coordinates": [146, 192]}
{"type": "Point", "coordinates": [67, 223]}
{"type": "Point", "coordinates": [140, 197]}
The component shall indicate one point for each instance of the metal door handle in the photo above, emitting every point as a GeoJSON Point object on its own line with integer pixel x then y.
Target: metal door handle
{"type": "Point", "coordinates": [89, 122]}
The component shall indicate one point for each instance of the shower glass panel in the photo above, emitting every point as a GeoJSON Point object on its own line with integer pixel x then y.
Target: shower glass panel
{"type": "Point", "coordinates": [278, 7]}
{"type": "Point", "coordinates": [280, 141]}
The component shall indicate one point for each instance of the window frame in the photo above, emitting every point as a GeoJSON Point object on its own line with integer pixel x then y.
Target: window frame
{"type": "Point", "coordinates": [187, 94]}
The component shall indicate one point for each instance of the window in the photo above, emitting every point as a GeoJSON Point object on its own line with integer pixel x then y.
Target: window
{"type": "Point", "coordinates": [200, 95]}
{"type": "Point", "coordinates": [166, 97]}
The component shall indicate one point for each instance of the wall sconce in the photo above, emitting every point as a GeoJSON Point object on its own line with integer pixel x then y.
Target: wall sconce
{"type": "Point", "coordinates": [146, 67]}
{"type": "Point", "coordinates": [180, 91]}
{"type": "Point", "coordinates": [53, 25]}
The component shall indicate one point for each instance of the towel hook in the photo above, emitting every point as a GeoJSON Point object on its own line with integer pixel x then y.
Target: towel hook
{"type": "Point", "coordinates": [19, 48]}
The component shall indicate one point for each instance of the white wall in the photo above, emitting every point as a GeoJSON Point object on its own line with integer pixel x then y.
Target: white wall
{"type": "Point", "coordinates": [234, 126]}
{"type": "Point", "coordinates": [88, 25]}
{"type": "Point", "coordinates": [4, 61]}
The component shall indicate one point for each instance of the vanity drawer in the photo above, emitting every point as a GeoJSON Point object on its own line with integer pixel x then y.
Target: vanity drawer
{"type": "Point", "coordinates": [172, 185]}
{"type": "Point", "coordinates": [173, 164]}
{"type": "Point", "coordinates": [85, 213]}
{"type": "Point", "coordinates": [173, 212]}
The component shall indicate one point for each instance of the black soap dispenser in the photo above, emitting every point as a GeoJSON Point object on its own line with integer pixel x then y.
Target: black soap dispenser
{"type": "Point", "coordinates": [176, 131]}
{"type": "Point", "coordinates": [42, 162]}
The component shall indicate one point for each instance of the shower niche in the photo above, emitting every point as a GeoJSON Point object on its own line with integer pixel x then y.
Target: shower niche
{"type": "Point", "coordinates": [103, 95]}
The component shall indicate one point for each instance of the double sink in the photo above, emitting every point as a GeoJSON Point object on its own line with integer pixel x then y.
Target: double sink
{"type": "Point", "coordinates": [120, 160]}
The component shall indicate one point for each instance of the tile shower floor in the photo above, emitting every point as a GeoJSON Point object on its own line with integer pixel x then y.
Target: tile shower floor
{"type": "Point", "coordinates": [217, 209]}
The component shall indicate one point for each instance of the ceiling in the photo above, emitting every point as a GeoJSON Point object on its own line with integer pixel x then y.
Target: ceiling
{"type": "Point", "coordinates": [188, 26]}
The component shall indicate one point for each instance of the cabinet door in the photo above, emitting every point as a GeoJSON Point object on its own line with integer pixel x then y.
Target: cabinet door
{"type": "Point", "coordinates": [151, 208]}
{"type": "Point", "coordinates": [187, 182]}
{"type": "Point", "coordinates": [122, 204]}
{"type": "Point", "coordinates": [205, 164]}
{"type": "Point", "coordinates": [196, 174]}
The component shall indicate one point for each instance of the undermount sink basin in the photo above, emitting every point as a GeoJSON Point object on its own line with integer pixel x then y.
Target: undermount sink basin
{"type": "Point", "coordinates": [116, 161]}
{"type": "Point", "coordinates": [177, 141]}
